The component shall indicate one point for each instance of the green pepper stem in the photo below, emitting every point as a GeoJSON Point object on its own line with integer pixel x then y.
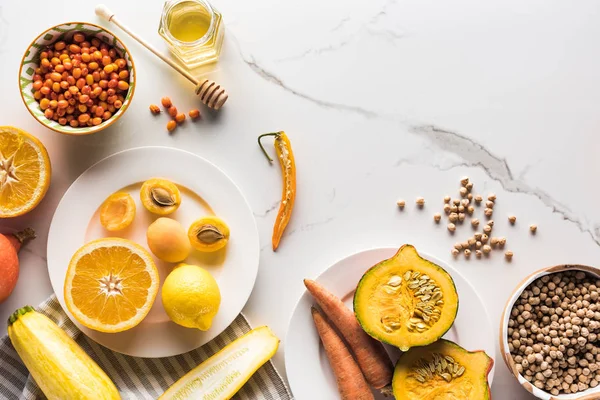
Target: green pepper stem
{"type": "Point", "coordinates": [276, 134]}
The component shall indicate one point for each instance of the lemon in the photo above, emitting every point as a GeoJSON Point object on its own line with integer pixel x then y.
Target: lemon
{"type": "Point", "coordinates": [191, 296]}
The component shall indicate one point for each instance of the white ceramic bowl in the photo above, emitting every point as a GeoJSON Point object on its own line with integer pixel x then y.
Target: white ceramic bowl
{"type": "Point", "coordinates": [589, 394]}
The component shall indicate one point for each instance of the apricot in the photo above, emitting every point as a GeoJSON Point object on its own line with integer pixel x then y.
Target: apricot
{"type": "Point", "coordinates": [168, 240]}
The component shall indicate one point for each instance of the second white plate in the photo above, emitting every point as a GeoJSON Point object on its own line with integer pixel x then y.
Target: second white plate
{"type": "Point", "coordinates": [306, 364]}
{"type": "Point", "coordinates": [203, 186]}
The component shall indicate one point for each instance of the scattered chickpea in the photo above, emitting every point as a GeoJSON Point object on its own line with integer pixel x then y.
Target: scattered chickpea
{"type": "Point", "coordinates": [420, 202]}
{"type": "Point", "coordinates": [464, 180]}
{"type": "Point", "coordinates": [486, 249]}
{"type": "Point", "coordinates": [508, 255]}
{"type": "Point", "coordinates": [484, 238]}
{"type": "Point", "coordinates": [470, 210]}
{"type": "Point", "coordinates": [461, 209]}
{"type": "Point", "coordinates": [455, 252]}
{"type": "Point", "coordinates": [502, 241]}
{"type": "Point", "coordinates": [469, 186]}
{"type": "Point", "coordinates": [171, 125]}
{"type": "Point", "coordinates": [478, 253]}
{"type": "Point", "coordinates": [453, 217]}
{"type": "Point", "coordinates": [180, 118]}
{"type": "Point", "coordinates": [492, 197]}
{"type": "Point", "coordinates": [478, 244]}
{"type": "Point", "coordinates": [454, 209]}
{"type": "Point", "coordinates": [401, 203]}
{"type": "Point", "coordinates": [494, 241]}
{"type": "Point", "coordinates": [437, 217]}
{"type": "Point", "coordinates": [470, 197]}
{"type": "Point", "coordinates": [477, 236]}
{"type": "Point", "coordinates": [512, 219]}
{"type": "Point", "coordinates": [447, 208]}
{"type": "Point", "coordinates": [465, 202]}
{"type": "Point", "coordinates": [490, 222]}
{"type": "Point", "coordinates": [458, 246]}
{"type": "Point", "coordinates": [478, 199]}
{"type": "Point", "coordinates": [488, 212]}
{"type": "Point", "coordinates": [451, 227]}
{"type": "Point", "coordinates": [456, 202]}
{"type": "Point", "coordinates": [533, 228]}
{"type": "Point", "coordinates": [487, 229]}
{"type": "Point", "coordinates": [166, 102]}
{"type": "Point", "coordinates": [467, 253]}
{"type": "Point", "coordinates": [489, 204]}
{"type": "Point", "coordinates": [472, 242]}
{"type": "Point", "coordinates": [173, 111]}
{"type": "Point", "coordinates": [463, 191]}
{"type": "Point", "coordinates": [475, 222]}
{"type": "Point", "coordinates": [461, 217]}
{"type": "Point", "coordinates": [195, 113]}
{"type": "Point", "coordinates": [154, 109]}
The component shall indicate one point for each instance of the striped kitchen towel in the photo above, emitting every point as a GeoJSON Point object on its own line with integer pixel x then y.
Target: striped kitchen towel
{"type": "Point", "coordinates": [136, 378]}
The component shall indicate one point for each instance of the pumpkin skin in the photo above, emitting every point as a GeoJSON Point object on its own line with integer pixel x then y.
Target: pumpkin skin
{"type": "Point", "coordinates": [471, 384]}
{"type": "Point", "coordinates": [406, 301]}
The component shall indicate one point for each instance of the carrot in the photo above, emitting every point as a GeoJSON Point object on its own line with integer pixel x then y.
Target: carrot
{"type": "Point", "coordinates": [370, 354]}
{"type": "Point", "coordinates": [350, 380]}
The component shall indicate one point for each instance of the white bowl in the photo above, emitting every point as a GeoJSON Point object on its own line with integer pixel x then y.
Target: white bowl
{"type": "Point", "coordinates": [589, 394]}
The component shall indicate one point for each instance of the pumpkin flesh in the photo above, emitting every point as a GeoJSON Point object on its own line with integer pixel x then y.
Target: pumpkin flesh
{"type": "Point", "coordinates": [406, 301]}
{"type": "Point", "coordinates": [442, 371]}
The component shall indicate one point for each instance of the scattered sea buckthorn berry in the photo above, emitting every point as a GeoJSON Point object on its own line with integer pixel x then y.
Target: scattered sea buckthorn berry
{"type": "Point", "coordinates": [154, 109]}
{"type": "Point", "coordinates": [195, 113]}
{"type": "Point", "coordinates": [173, 111]}
{"type": "Point", "coordinates": [171, 125]}
{"type": "Point", "coordinates": [166, 102]}
{"type": "Point", "coordinates": [180, 118]}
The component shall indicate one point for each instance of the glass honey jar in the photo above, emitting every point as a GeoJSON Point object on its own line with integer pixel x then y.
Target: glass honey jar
{"type": "Point", "coordinates": [194, 31]}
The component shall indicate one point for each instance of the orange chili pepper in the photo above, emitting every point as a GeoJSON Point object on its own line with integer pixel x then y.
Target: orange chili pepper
{"type": "Point", "coordinates": [283, 148]}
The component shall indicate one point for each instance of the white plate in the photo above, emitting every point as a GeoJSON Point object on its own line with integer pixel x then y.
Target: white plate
{"type": "Point", "coordinates": [76, 222]}
{"type": "Point", "coordinates": [306, 363]}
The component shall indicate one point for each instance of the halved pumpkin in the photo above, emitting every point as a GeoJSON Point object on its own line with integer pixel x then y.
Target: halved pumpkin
{"type": "Point", "coordinates": [406, 301]}
{"type": "Point", "coordinates": [442, 371]}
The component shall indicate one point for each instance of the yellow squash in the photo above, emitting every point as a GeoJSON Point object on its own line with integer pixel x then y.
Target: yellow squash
{"type": "Point", "coordinates": [58, 365]}
{"type": "Point", "coordinates": [222, 375]}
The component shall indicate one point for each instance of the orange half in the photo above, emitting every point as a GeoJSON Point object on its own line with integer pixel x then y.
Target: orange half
{"type": "Point", "coordinates": [24, 172]}
{"type": "Point", "coordinates": [111, 284]}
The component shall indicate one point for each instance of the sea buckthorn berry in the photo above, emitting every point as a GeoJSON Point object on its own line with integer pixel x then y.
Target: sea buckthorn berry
{"type": "Point", "coordinates": [180, 118]}
{"type": "Point", "coordinates": [166, 102]}
{"type": "Point", "coordinates": [195, 113]}
{"type": "Point", "coordinates": [122, 85]}
{"type": "Point", "coordinates": [171, 125]}
{"type": "Point", "coordinates": [154, 109]}
{"type": "Point", "coordinates": [173, 111]}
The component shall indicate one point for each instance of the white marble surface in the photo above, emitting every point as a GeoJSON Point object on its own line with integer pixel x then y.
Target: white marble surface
{"type": "Point", "coordinates": [381, 100]}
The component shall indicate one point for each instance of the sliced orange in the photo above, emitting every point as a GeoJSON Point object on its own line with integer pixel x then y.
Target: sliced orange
{"type": "Point", "coordinates": [24, 172]}
{"type": "Point", "coordinates": [111, 284]}
{"type": "Point", "coordinates": [117, 212]}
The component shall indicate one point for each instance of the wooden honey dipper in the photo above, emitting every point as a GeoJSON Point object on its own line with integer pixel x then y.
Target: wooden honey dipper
{"type": "Point", "coordinates": [211, 94]}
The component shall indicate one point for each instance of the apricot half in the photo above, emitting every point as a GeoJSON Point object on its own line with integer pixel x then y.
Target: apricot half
{"type": "Point", "coordinates": [208, 234]}
{"type": "Point", "coordinates": [160, 196]}
{"type": "Point", "coordinates": [117, 212]}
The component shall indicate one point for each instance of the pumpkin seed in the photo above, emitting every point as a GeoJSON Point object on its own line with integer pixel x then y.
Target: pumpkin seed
{"type": "Point", "coordinates": [162, 197]}
{"type": "Point", "coordinates": [450, 359]}
{"type": "Point", "coordinates": [407, 275]}
{"type": "Point", "coordinates": [460, 371]}
{"type": "Point", "coordinates": [395, 281]}
{"type": "Point", "coordinates": [447, 377]}
{"type": "Point", "coordinates": [415, 275]}
{"type": "Point", "coordinates": [420, 378]}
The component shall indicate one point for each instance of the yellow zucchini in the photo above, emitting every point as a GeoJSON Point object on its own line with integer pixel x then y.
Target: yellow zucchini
{"type": "Point", "coordinates": [222, 375]}
{"type": "Point", "coordinates": [58, 365]}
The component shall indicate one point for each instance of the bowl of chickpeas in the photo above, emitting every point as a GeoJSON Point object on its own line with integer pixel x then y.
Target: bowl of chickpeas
{"type": "Point", "coordinates": [77, 78]}
{"type": "Point", "coordinates": [550, 333]}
